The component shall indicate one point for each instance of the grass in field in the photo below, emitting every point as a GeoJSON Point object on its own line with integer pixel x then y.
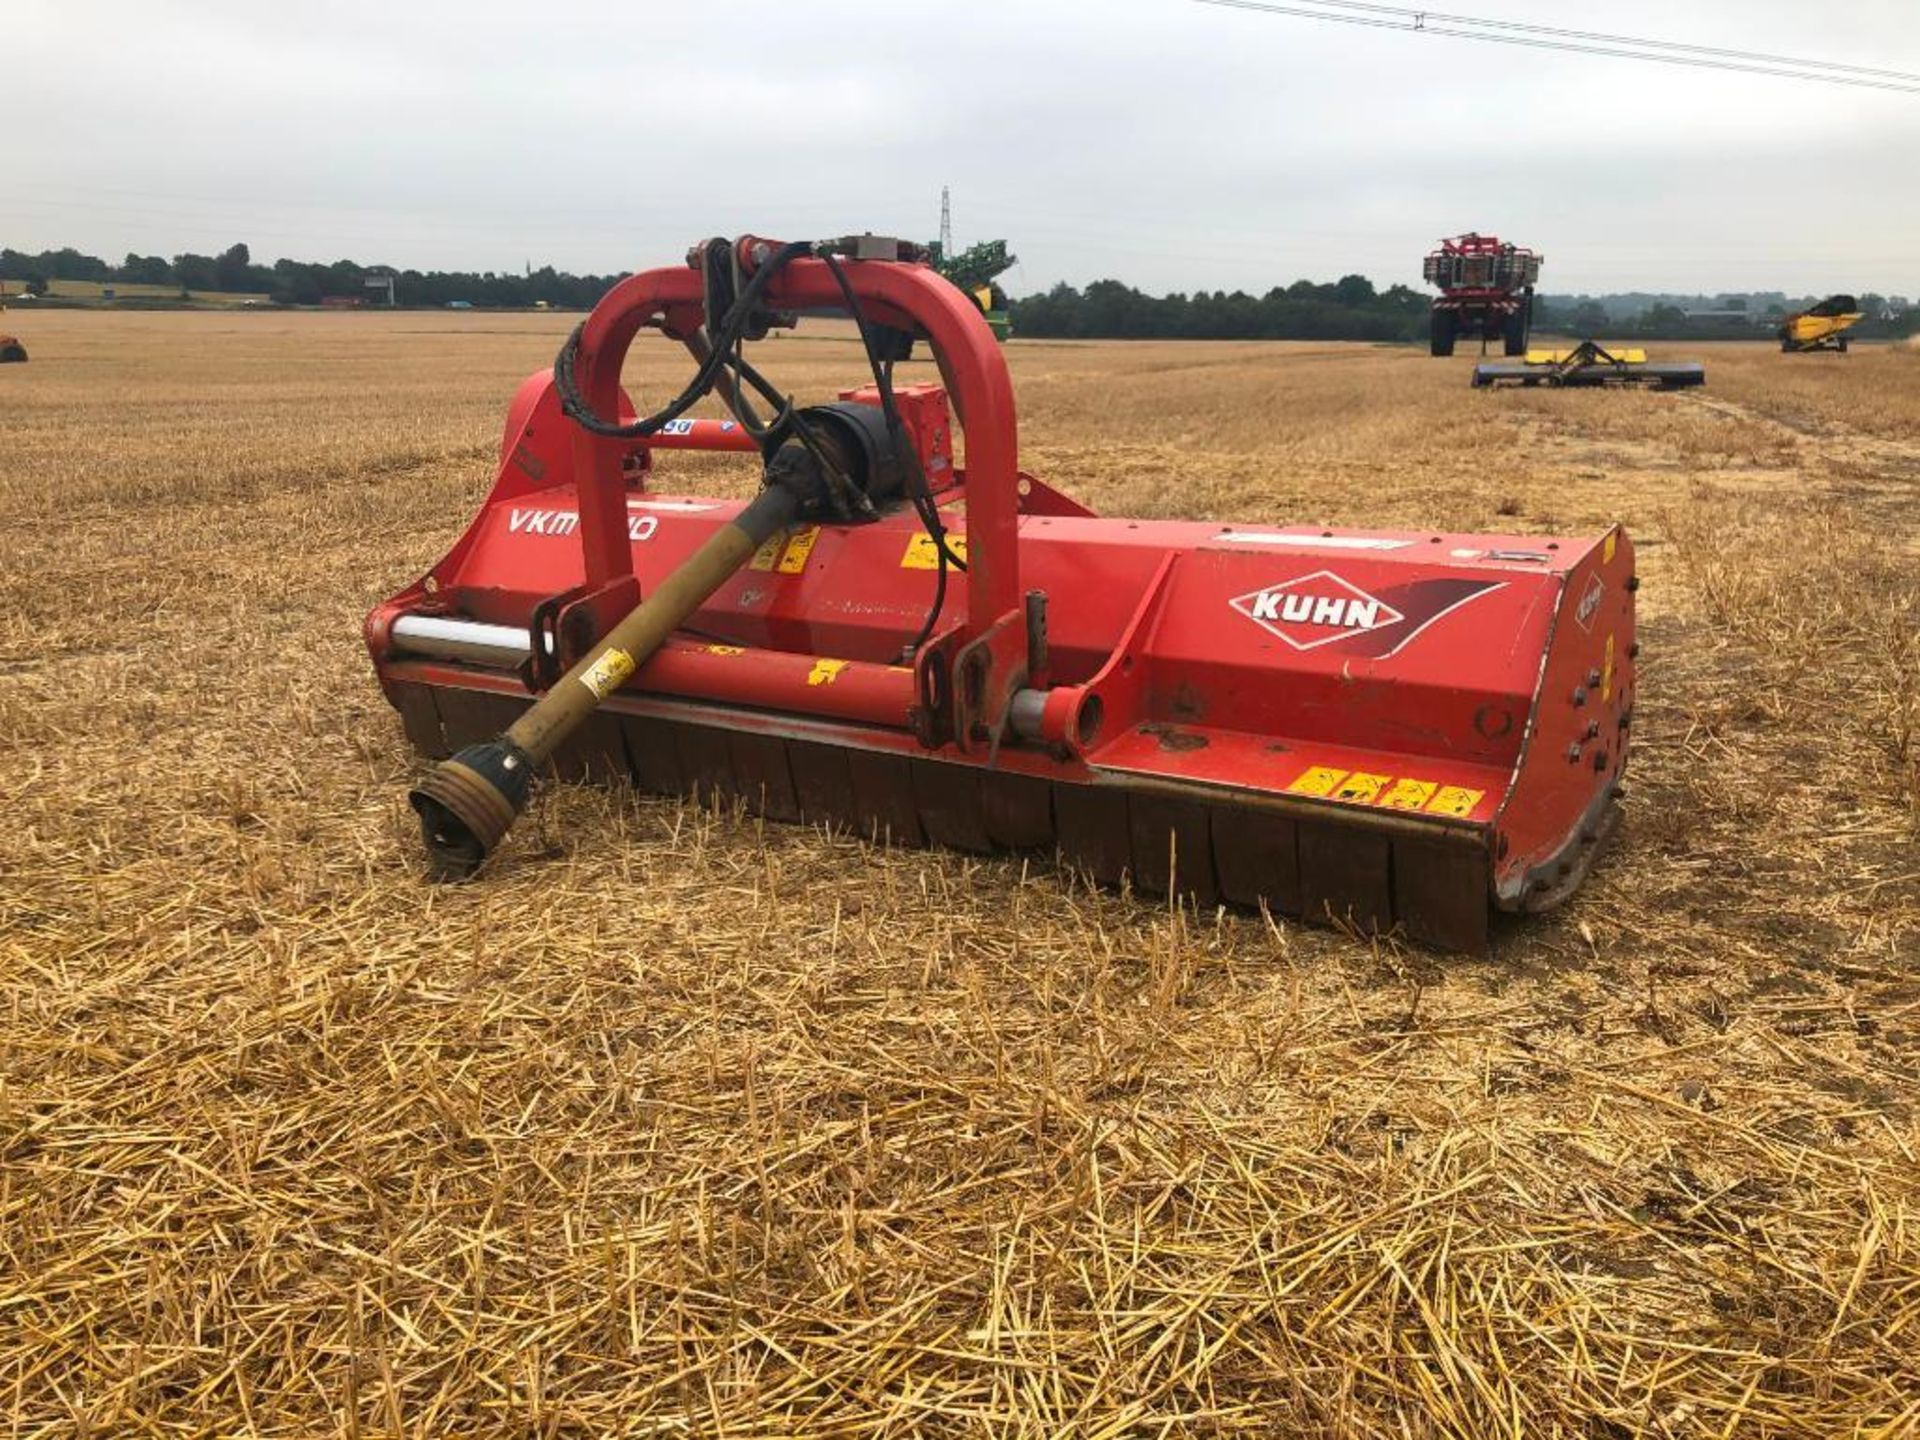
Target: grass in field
{"type": "Point", "coordinates": [683, 1123]}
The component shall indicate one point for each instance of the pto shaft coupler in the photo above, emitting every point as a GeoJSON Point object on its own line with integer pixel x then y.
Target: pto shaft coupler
{"type": "Point", "coordinates": [469, 802]}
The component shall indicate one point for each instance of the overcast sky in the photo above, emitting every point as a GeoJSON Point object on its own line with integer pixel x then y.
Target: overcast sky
{"type": "Point", "coordinates": [1170, 144]}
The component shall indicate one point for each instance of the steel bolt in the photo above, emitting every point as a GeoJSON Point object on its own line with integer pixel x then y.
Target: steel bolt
{"type": "Point", "coordinates": [1573, 754]}
{"type": "Point", "coordinates": [1579, 695]}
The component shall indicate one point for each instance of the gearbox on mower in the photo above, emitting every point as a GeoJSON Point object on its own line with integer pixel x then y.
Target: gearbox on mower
{"type": "Point", "coordinates": [1393, 730]}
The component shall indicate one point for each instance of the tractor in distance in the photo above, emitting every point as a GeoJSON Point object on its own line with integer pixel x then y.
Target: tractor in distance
{"type": "Point", "coordinates": [975, 270]}
{"type": "Point", "coordinates": [1486, 290]}
{"type": "Point", "coordinates": [11, 350]}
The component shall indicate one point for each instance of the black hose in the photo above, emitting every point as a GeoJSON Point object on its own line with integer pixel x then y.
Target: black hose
{"type": "Point", "coordinates": [726, 335]}
{"type": "Point", "coordinates": [918, 492]}
{"type": "Point", "coordinates": [726, 332]}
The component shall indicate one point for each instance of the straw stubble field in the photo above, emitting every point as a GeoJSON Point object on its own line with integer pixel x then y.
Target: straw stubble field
{"type": "Point", "coordinates": [679, 1123]}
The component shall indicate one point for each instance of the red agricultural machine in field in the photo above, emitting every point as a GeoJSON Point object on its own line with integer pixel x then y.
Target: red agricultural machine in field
{"type": "Point", "coordinates": [1393, 729]}
{"type": "Point", "coordinates": [1486, 291]}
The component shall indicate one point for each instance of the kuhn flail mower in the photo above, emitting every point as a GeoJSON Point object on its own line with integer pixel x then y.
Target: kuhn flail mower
{"type": "Point", "coordinates": [1388, 729]}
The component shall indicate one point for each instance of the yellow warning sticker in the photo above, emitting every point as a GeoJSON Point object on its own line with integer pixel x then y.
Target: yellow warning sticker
{"type": "Point", "coordinates": [825, 672]}
{"type": "Point", "coordinates": [726, 649]}
{"type": "Point", "coordinates": [1409, 795]}
{"type": "Point", "coordinates": [1455, 800]}
{"type": "Point", "coordinates": [768, 555]}
{"type": "Point", "coordinates": [922, 554]}
{"type": "Point", "coordinates": [1606, 673]}
{"type": "Point", "coordinates": [1317, 781]}
{"type": "Point", "coordinates": [1362, 787]}
{"type": "Point", "coordinates": [1606, 550]}
{"type": "Point", "coordinates": [799, 546]}
{"type": "Point", "coordinates": [604, 676]}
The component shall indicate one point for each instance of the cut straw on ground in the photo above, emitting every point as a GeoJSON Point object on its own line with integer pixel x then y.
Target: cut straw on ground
{"type": "Point", "coordinates": [678, 1122]}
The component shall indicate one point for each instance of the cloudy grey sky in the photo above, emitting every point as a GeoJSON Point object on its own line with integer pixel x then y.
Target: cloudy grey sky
{"type": "Point", "coordinates": [1171, 144]}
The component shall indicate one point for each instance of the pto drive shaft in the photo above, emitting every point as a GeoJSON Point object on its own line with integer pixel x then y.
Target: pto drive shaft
{"type": "Point", "coordinates": [469, 801]}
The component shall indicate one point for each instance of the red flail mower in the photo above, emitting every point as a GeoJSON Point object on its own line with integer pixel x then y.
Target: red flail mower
{"type": "Point", "coordinates": [1395, 731]}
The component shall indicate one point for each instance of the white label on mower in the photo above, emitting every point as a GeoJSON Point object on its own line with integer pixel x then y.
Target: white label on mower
{"type": "Point", "coordinates": [1589, 603]}
{"type": "Point", "coordinates": [1311, 542]}
{"type": "Point", "coordinates": [567, 522]}
{"type": "Point", "coordinates": [1316, 610]}
{"type": "Point", "coordinates": [604, 676]}
{"type": "Point", "coordinates": [677, 427]}
{"type": "Point", "coordinates": [683, 507]}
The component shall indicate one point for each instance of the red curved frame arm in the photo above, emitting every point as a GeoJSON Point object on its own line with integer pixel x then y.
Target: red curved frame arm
{"type": "Point", "coordinates": [905, 295]}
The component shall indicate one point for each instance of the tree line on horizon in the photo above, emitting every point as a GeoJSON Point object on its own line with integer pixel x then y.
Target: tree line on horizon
{"type": "Point", "coordinates": [1350, 308]}
{"type": "Point", "coordinates": [303, 282]}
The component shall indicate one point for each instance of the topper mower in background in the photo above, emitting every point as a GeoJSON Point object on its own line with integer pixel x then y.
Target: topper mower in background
{"type": "Point", "coordinates": [1394, 730]}
{"type": "Point", "coordinates": [1590, 364]}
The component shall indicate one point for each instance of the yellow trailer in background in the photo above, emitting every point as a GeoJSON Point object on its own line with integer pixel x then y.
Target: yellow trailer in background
{"type": "Point", "coordinates": [1820, 327]}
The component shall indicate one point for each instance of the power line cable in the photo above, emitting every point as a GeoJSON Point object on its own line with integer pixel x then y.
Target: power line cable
{"type": "Point", "coordinates": [1563, 33]}
{"type": "Point", "coordinates": [1541, 37]}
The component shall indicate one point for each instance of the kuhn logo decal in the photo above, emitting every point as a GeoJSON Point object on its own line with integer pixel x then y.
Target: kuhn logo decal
{"type": "Point", "coordinates": [1316, 610]}
{"type": "Point", "coordinates": [1323, 610]}
{"type": "Point", "coordinates": [1589, 603]}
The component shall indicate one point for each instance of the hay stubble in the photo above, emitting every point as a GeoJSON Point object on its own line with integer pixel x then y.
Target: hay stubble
{"type": "Point", "coordinates": [682, 1123]}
